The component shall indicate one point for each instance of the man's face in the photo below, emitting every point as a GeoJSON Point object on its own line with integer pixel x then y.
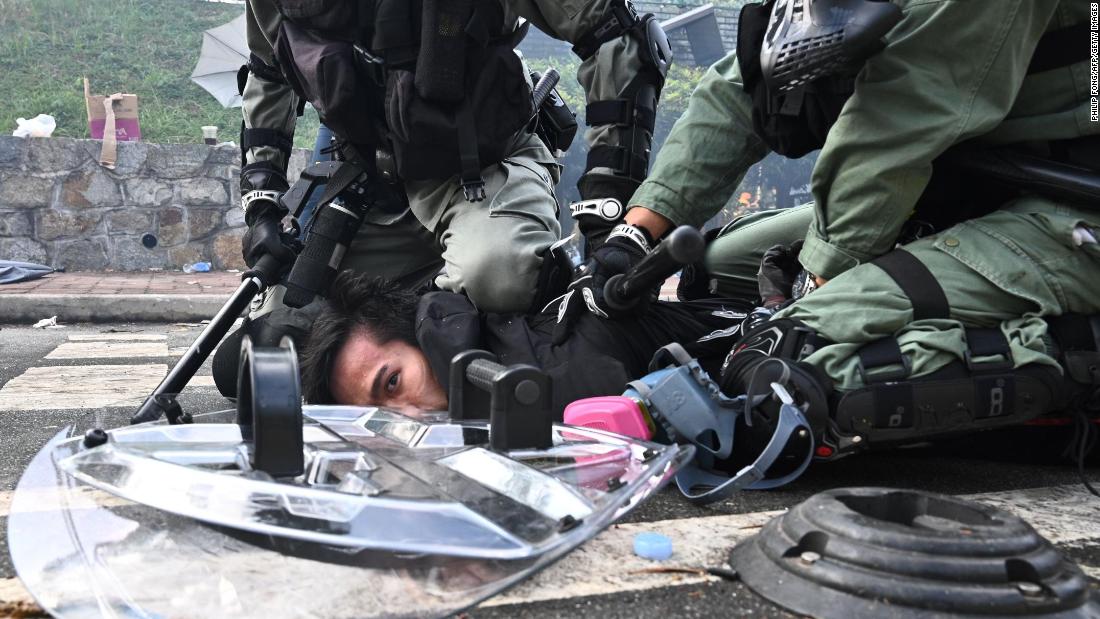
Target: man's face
{"type": "Point", "coordinates": [395, 375]}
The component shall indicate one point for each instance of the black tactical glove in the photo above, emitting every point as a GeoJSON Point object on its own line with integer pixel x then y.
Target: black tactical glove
{"type": "Point", "coordinates": [781, 275]}
{"type": "Point", "coordinates": [624, 248]}
{"type": "Point", "coordinates": [261, 187]}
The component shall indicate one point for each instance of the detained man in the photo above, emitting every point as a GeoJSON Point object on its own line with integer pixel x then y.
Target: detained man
{"type": "Point", "coordinates": [376, 344]}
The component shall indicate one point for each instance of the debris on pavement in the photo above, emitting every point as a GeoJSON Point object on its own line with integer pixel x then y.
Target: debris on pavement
{"type": "Point", "coordinates": [47, 323]}
{"type": "Point", "coordinates": [724, 573]}
{"type": "Point", "coordinates": [198, 267]}
{"type": "Point", "coordinates": [649, 545]}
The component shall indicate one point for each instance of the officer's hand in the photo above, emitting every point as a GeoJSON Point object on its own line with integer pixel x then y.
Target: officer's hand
{"type": "Point", "coordinates": [262, 184]}
{"type": "Point", "coordinates": [779, 269]}
{"type": "Point", "coordinates": [265, 236]}
{"type": "Point", "coordinates": [622, 250]}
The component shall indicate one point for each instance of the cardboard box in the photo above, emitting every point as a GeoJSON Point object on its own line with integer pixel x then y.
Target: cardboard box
{"type": "Point", "coordinates": [122, 114]}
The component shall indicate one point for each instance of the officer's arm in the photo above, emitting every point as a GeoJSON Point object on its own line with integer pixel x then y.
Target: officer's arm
{"type": "Point", "coordinates": [622, 80]}
{"type": "Point", "coordinates": [268, 103]}
{"type": "Point", "coordinates": [950, 72]}
{"type": "Point", "coordinates": [269, 114]}
{"type": "Point", "coordinates": [705, 156]}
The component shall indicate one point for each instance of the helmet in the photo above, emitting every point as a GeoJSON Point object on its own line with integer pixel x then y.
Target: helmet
{"type": "Point", "coordinates": [808, 39]}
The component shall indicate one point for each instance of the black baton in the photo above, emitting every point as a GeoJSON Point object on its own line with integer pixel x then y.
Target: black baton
{"type": "Point", "coordinates": [683, 246]}
{"type": "Point", "coordinates": [544, 87]}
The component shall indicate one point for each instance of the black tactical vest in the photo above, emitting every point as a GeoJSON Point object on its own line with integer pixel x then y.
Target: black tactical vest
{"type": "Point", "coordinates": [432, 81]}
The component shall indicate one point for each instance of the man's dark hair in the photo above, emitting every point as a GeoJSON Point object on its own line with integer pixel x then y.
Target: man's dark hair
{"type": "Point", "coordinates": [385, 310]}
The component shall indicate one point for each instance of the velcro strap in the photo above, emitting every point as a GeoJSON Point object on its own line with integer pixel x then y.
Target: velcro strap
{"type": "Point", "coordinates": [473, 185]}
{"type": "Point", "coordinates": [264, 71]}
{"type": "Point", "coordinates": [620, 112]}
{"type": "Point", "coordinates": [1060, 48]}
{"type": "Point", "coordinates": [260, 195]}
{"type": "Point", "coordinates": [621, 19]}
{"type": "Point", "coordinates": [917, 283]}
{"type": "Point", "coordinates": [634, 233]}
{"type": "Point", "coordinates": [987, 343]}
{"type": "Point", "coordinates": [882, 353]}
{"type": "Point", "coordinates": [252, 138]}
{"type": "Point", "coordinates": [620, 159]}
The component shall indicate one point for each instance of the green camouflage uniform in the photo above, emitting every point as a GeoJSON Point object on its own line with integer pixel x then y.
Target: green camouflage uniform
{"type": "Point", "coordinates": [490, 250]}
{"type": "Point", "coordinates": [952, 71]}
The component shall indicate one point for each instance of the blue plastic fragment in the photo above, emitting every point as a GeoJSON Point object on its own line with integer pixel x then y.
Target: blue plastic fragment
{"type": "Point", "coordinates": [654, 546]}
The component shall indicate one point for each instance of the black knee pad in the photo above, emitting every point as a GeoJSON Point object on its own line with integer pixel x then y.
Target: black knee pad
{"type": "Point", "coordinates": [954, 400]}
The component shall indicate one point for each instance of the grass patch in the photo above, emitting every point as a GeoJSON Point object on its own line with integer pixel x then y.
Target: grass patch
{"type": "Point", "coordinates": [146, 47]}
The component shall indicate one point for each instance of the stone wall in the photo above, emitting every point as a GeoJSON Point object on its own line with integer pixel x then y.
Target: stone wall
{"type": "Point", "coordinates": [59, 207]}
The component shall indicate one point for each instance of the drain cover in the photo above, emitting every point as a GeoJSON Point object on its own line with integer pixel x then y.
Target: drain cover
{"type": "Point", "coordinates": [879, 552]}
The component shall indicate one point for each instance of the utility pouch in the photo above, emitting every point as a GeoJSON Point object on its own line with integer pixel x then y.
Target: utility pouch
{"type": "Point", "coordinates": [441, 66]}
{"type": "Point", "coordinates": [556, 125]}
{"type": "Point", "coordinates": [331, 75]}
{"type": "Point", "coordinates": [433, 140]}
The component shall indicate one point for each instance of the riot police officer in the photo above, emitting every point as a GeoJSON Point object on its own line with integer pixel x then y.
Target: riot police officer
{"type": "Point", "coordinates": [430, 111]}
{"type": "Point", "coordinates": [967, 118]}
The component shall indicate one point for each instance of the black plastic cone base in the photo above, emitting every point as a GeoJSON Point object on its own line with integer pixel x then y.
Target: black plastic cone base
{"type": "Point", "coordinates": [879, 552]}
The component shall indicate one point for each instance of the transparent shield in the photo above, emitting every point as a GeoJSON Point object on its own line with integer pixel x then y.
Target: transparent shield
{"type": "Point", "coordinates": [394, 516]}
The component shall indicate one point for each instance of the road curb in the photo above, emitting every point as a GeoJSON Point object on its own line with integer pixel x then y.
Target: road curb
{"type": "Point", "coordinates": [30, 308]}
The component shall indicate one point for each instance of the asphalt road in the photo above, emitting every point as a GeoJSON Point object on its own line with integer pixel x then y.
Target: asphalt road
{"type": "Point", "coordinates": [1006, 463]}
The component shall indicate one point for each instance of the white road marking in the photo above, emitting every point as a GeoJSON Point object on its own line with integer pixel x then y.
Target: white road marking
{"type": "Point", "coordinates": [108, 350]}
{"type": "Point", "coordinates": [121, 337]}
{"type": "Point", "coordinates": [201, 381]}
{"type": "Point", "coordinates": [78, 387]}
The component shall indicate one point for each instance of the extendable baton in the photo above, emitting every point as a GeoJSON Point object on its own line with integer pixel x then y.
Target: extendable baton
{"type": "Point", "coordinates": [161, 401]}
{"type": "Point", "coordinates": [683, 246]}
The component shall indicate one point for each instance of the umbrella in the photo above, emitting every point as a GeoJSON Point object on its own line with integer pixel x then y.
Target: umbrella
{"type": "Point", "coordinates": [12, 272]}
{"type": "Point", "coordinates": [224, 50]}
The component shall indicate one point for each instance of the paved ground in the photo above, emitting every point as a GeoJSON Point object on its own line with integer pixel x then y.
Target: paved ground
{"type": "Point", "coordinates": [120, 297]}
{"type": "Point", "coordinates": [49, 377]}
{"type": "Point", "coordinates": [149, 282]}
